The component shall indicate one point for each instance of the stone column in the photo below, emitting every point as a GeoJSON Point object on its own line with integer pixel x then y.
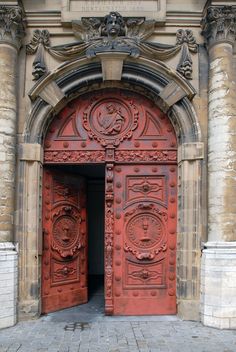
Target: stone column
{"type": "Point", "coordinates": [11, 31]}
{"type": "Point", "coordinates": [218, 280]}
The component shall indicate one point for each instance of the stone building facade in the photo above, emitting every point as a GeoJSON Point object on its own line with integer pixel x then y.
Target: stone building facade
{"type": "Point", "coordinates": [175, 56]}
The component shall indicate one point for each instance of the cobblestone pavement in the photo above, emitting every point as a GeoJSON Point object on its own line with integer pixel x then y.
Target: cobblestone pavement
{"type": "Point", "coordinates": [115, 335]}
{"type": "Point", "coordinates": [86, 329]}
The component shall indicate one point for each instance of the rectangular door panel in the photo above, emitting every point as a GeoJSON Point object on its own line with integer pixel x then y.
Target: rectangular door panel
{"type": "Point", "coordinates": [64, 260]}
{"type": "Point", "coordinates": [144, 256]}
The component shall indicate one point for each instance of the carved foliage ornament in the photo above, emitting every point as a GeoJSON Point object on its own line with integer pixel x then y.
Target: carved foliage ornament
{"type": "Point", "coordinates": [127, 35]}
{"type": "Point", "coordinates": [11, 24]}
{"type": "Point", "coordinates": [219, 24]}
{"type": "Point", "coordinates": [39, 42]}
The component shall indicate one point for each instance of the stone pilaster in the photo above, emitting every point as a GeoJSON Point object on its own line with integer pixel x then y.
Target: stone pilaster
{"type": "Point", "coordinates": [11, 32]}
{"type": "Point", "coordinates": [218, 302]}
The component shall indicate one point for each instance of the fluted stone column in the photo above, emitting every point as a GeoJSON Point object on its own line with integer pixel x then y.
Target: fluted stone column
{"type": "Point", "coordinates": [11, 31]}
{"type": "Point", "coordinates": [218, 280]}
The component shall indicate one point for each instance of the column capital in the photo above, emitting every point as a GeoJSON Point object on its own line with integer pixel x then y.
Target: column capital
{"type": "Point", "coordinates": [219, 25]}
{"type": "Point", "coordinates": [11, 25]}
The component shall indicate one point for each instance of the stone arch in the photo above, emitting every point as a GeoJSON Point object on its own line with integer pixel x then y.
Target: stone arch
{"type": "Point", "coordinates": [172, 94]}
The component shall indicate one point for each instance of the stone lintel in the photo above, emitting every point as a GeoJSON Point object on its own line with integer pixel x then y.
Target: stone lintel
{"type": "Point", "coordinates": [170, 95]}
{"type": "Point", "coordinates": [30, 152]}
{"type": "Point", "coordinates": [191, 151]}
{"type": "Point", "coordinates": [112, 65]}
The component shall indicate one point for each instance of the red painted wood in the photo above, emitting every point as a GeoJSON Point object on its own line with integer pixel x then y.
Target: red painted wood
{"type": "Point", "coordinates": [64, 260]}
{"type": "Point", "coordinates": [144, 239]}
{"type": "Point", "coordinates": [137, 143]}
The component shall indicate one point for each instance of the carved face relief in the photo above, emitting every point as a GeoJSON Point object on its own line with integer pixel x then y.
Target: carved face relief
{"type": "Point", "coordinates": [144, 230]}
{"type": "Point", "coordinates": [114, 24]}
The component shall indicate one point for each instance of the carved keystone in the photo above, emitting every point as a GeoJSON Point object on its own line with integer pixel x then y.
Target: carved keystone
{"type": "Point", "coordinates": [112, 65]}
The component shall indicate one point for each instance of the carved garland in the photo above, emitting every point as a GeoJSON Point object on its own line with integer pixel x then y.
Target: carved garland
{"type": "Point", "coordinates": [125, 156]}
{"type": "Point", "coordinates": [114, 33]}
{"type": "Point", "coordinates": [145, 155]}
{"type": "Point", "coordinates": [38, 44]}
{"type": "Point", "coordinates": [74, 156]}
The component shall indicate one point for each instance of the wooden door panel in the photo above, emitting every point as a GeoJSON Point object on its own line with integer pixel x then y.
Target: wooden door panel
{"type": "Point", "coordinates": [64, 260]}
{"type": "Point", "coordinates": [144, 239]}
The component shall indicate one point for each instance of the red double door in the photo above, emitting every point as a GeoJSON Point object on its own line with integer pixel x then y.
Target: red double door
{"type": "Point", "coordinates": [139, 239]}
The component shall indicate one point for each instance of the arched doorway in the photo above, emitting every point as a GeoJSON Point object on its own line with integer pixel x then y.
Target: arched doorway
{"type": "Point", "coordinates": [136, 143]}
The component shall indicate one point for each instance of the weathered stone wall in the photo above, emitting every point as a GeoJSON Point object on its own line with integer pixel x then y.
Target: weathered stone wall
{"type": "Point", "coordinates": [222, 143]}
{"type": "Point", "coordinates": [218, 287]}
{"type": "Point", "coordinates": [8, 284]}
{"type": "Point", "coordinates": [8, 67]}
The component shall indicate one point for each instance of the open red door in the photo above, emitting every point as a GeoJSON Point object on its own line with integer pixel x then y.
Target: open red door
{"type": "Point", "coordinates": [64, 259]}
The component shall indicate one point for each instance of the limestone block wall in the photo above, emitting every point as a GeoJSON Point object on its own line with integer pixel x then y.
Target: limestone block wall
{"type": "Point", "coordinates": [218, 285]}
{"type": "Point", "coordinates": [8, 284]}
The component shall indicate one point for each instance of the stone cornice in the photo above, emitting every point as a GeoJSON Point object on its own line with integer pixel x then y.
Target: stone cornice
{"type": "Point", "coordinates": [11, 25]}
{"type": "Point", "coordinates": [219, 24]}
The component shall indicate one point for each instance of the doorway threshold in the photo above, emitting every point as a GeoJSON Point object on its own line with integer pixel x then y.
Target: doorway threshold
{"type": "Point", "coordinates": [93, 311]}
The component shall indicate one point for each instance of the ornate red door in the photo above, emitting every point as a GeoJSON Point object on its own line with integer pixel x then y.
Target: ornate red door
{"type": "Point", "coordinates": [136, 141]}
{"type": "Point", "coordinates": [64, 260]}
{"type": "Point", "coordinates": [144, 239]}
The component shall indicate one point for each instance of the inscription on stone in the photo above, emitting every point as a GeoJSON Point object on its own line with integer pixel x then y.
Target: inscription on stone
{"type": "Point", "coordinates": [115, 5]}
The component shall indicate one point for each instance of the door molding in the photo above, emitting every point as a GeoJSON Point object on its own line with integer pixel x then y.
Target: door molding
{"type": "Point", "coordinates": [143, 76]}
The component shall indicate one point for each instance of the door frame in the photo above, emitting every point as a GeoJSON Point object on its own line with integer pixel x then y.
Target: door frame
{"type": "Point", "coordinates": [152, 78]}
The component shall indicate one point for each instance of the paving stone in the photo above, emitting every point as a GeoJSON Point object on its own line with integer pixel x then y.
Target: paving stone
{"type": "Point", "coordinates": [113, 335]}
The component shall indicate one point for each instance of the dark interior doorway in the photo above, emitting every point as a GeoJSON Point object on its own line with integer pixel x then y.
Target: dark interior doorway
{"type": "Point", "coordinates": [95, 206]}
{"type": "Point", "coordinates": [95, 180]}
